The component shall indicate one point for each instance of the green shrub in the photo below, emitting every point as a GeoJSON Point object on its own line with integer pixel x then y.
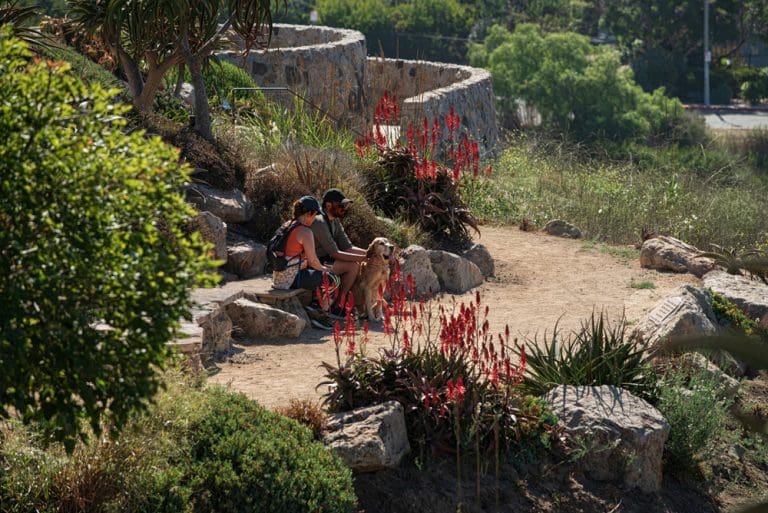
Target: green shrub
{"type": "Point", "coordinates": [597, 354]}
{"type": "Point", "coordinates": [97, 270]}
{"type": "Point", "coordinates": [247, 458]}
{"type": "Point", "coordinates": [579, 89]}
{"type": "Point", "coordinates": [196, 449]}
{"type": "Point", "coordinates": [691, 402]}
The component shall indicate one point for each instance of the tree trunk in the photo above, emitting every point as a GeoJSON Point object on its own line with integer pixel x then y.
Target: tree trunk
{"type": "Point", "coordinates": [202, 109]}
{"type": "Point", "coordinates": [179, 80]}
{"type": "Point", "coordinates": [152, 84]}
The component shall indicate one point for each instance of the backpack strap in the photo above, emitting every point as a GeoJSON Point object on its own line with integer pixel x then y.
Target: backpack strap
{"type": "Point", "coordinates": [293, 226]}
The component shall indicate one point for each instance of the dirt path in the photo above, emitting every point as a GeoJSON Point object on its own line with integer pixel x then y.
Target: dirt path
{"type": "Point", "coordinates": [539, 279]}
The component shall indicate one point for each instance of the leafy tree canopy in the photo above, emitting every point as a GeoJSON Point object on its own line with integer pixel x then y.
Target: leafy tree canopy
{"type": "Point", "coordinates": [95, 268]}
{"type": "Point", "coordinates": [576, 87]}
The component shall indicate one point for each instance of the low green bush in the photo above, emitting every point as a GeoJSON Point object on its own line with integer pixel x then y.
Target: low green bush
{"type": "Point", "coordinates": [597, 354]}
{"type": "Point", "coordinates": [195, 450]}
{"type": "Point", "coordinates": [696, 411]}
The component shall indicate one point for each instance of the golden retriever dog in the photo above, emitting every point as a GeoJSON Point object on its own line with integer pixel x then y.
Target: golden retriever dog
{"type": "Point", "coordinates": [373, 276]}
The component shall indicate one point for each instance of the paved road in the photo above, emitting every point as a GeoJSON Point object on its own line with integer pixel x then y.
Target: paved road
{"type": "Point", "coordinates": [726, 119]}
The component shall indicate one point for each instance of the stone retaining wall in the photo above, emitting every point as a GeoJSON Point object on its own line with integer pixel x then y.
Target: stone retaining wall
{"type": "Point", "coordinates": [330, 68]}
{"type": "Point", "coordinates": [431, 88]}
{"type": "Point", "coordinates": [325, 65]}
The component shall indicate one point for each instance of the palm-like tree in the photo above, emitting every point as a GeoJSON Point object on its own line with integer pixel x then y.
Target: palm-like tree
{"type": "Point", "coordinates": [149, 37]}
{"type": "Point", "coordinates": [19, 18]}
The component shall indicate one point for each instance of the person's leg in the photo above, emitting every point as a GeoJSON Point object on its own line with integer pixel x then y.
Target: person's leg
{"type": "Point", "coordinates": [347, 271]}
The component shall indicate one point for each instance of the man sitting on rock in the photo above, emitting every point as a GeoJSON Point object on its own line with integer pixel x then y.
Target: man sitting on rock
{"type": "Point", "coordinates": [334, 248]}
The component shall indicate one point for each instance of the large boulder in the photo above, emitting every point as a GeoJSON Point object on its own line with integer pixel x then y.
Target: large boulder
{"type": "Point", "coordinates": [257, 320]}
{"type": "Point", "coordinates": [624, 435]}
{"type": "Point", "coordinates": [230, 206]}
{"type": "Point", "coordinates": [561, 228]}
{"type": "Point", "coordinates": [414, 261]}
{"type": "Point", "coordinates": [213, 230]}
{"type": "Point", "coordinates": [688, 311]}
{"type": "Point", "coordinates": [370, 438]}
{"type": "Point", "coordinates": [456, 274]}
{"type": "Point", "coordinates": [670, 254]}
{"type": "Point", "coordinates": [751, 296]}
{"type": "Point", "coordinates": [247, 259]}
{"type": "Point", "coordinates": [481, 257]}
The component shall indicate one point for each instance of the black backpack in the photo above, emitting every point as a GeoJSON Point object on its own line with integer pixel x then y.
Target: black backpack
{"type": "Point", "coordinates": [276, 246]}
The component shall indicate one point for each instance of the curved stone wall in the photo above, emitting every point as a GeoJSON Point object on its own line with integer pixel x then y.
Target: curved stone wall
{"type": "Point", "coordinates": [325, 65]}
{"type": "Point", "coordinates": [329, 67]}
{"type": "Point", "coordinates": [431, 88]}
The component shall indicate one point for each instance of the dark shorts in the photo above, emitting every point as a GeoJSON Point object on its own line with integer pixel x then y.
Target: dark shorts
{"type": "Point", "coordinates": [327, 260]}
{"type": "Point", "coordinates": [311, 279]}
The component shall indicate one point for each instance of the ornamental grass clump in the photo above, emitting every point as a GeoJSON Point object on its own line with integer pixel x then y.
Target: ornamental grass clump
{"type": "Point", "coordinates": [597, 354]}
{"type": "Point", "coordinates": [418, 176]}
{"type": "Point", "coordinates": [431, 355]}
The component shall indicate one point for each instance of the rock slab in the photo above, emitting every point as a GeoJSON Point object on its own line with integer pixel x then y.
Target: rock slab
{"type": "Point", "coordinates": [625, 434]}
{"type": "Point", "coordinates": [257, 320]}
{"type": "Point", "coordinates": [668, 253]}
{"type": "Point", "coordinates": [230, 206]}
{"type": "Point", "coordinates": [456, 274]}
{"type": "Point", "coordinates": [213, 230]}
{"type": "Point", "coordinates": [687, 311]}
{"type": "Point", "coordinates": [370, 438]}
{"type": "Point", "coordinates": [246, 259]}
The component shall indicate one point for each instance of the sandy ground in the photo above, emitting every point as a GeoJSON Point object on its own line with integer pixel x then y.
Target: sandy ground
{"type": "Point", "coordinates": [539, 280]}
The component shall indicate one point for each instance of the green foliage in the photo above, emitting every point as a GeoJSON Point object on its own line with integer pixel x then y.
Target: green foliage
{"type": "Point", "coordinates": [751, 262]}
{"type": "Point", "coordinates": [82, 67]}
{"type": "Point", "coordinates": [97, 272]}
{"type": "Point", "coordinates": [729, 315]}
{"type": "Point", "coordinates": [422, 29]}
{"type": "Point", "coordinates": [18, 18]}
{"type": "Point", "coordinates": [422, 368]}
{"type": "Point", "coordinates": [238, 443]}
{"type": "Point", "coordinates": [577, 88]}
{"type": "Point", "coordinates": [167, 459]}
{"type": "Point", "coordinates": [597, 354]}
{"type": "Point", "coordinates": [434, 204]}
{"type": "Point", "coordinates": [699, 195]}
{"type": "Point", "coordinates": [692, 403]}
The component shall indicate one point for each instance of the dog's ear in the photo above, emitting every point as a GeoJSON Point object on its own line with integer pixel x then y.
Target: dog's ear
{"type": "Point", "coordinates": [371, 250]}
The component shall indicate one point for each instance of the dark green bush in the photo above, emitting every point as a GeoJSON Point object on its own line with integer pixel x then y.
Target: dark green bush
{"type": "Point", "coordinates": [597, 354]}
{"type": "Point", "coordinates": [692, 403]}
{"type": "Point", "coordinates": [196, 449]}
{"type": "Point", "coordinates": [246, 458]}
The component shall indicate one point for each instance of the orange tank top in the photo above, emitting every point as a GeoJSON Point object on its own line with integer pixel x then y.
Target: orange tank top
{"type": "Point", "coordinates": [292, 246]}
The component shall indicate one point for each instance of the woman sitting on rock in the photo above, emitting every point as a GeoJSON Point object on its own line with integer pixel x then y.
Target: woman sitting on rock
{"type": "Point", "coordinates": [304, 270]}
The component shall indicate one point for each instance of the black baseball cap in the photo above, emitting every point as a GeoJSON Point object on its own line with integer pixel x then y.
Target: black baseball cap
{"type": "Point", "coordinates": [335, 196]}
{"type": "Point", "coordinates": [309, 203]}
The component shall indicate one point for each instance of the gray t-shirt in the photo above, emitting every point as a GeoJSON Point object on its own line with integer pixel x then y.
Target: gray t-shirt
{"type": "Point", "coordinates": [330, 236]}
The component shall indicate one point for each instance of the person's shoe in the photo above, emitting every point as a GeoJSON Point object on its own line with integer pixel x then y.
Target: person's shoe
{"type": "Point", "coordinates": [337, 312]}
{"type": "Point", "coordinates": [320, 325]}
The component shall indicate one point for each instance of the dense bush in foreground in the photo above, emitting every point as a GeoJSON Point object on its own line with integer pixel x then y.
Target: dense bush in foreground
{"type": "Point", "coordinates": [96, 270]}
{"type": "Point", "coordinates": [196, 450]}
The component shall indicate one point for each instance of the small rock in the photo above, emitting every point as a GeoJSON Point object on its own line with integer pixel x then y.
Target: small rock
{"type": "Point", "coordinates": [456, 274]}
{"type": "Point", "coordinates": [562, 228]}
{"type": "Point", "coordinates": [246, 259]}
{"type": "Point", "coordinates": [698, 361]}
{"type": "Point", "coordinates": [213, 230]}
{"type": "Point", "coordinates": [481, 257]}
{"type": "Point", "coordinates": [370, 438]}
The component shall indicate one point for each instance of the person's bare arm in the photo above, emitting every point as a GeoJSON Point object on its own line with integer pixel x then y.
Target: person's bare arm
{"type": "Point", "coordinates": [350, 255]}
{"type": "Point", "coordinates": [307, 240]}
